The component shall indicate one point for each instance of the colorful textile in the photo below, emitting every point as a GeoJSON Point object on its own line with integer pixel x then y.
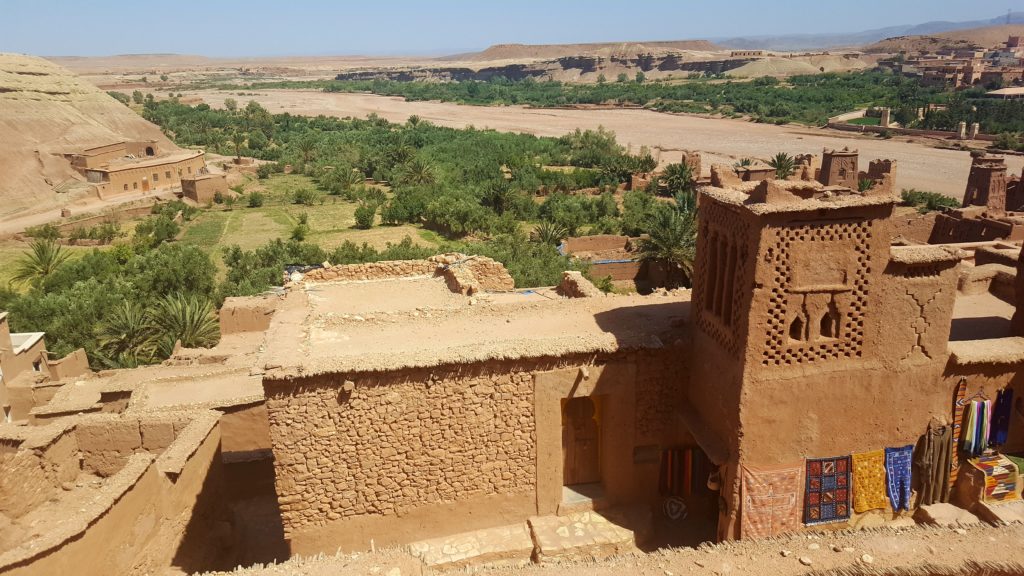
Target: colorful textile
{"type": "Point", "coordinates": [897, 469]}
{"type": "Point", "coordinates": [1001, 415]}
{"type": "Point", "coordinates": [959, 394]}
{"type": "Point", "coordinates": [827, 490]}
{"type": "Point", "coordinates": [970, 425]}
{"type": "Point", "coordinates": [770, 501]}
{"type": "Point", "coordinates": [931, 464]}
{"type": "Point", "coordinates": [683, 472]}
{"type": "Point", "coordinates": [869, 481]}
{"type": "Point", "coordinates": [1000, 478]}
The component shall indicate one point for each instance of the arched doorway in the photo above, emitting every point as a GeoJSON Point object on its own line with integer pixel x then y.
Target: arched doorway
{"type": "Point", "coordinates": [149, 151]}
{"type": "Point", "coordinates": [581, 441]}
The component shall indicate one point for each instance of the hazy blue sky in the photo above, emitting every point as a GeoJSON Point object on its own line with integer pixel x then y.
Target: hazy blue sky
{"type": "Point", "coordinates": [292, 27]}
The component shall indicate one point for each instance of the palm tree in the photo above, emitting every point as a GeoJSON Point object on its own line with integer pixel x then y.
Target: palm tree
{"type": "Point", "coordinates": [42, 260]}
{"type": "Point", "coordinates": [306, 145]}
{"type": "Point", "coordinates": [549, 233]}
{"type": "Point", "coordinates": [784, 165]}
{"type": "Point", "coordinates": [499, 198]}
{"type": "Point", "coordinates": [672, 242]}
{"type": "Point", "coordinates": [238, 139]}
{"type": "Point", "coordinates": [127, 337]}
{"type": "Point", "coordinates": [678, 178]}
{"type": "Point", "coordinates": [742, 163]}
{"type": "Point", "coordinates": [417, 172]}
{"type": "Point", "coordinates": [413, 121]}
{"type": "Point", "coordinates": [189, 319]}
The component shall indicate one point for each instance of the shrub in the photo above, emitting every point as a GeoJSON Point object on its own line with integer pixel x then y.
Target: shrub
{"type": "Point", "coordinates": [364, 214]}
{"type": "Point", "coordinates": [927, 201]}
{"type": "Point", "coordinates": [255, 199]}
{"type": "Point", "coordinates": [307, 197]}
{"type": "Point", "coordinates": [43, 232]}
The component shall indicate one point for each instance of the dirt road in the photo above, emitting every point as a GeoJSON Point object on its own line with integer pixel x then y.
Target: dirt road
{"type": "Point", "coordinates": [721, 140]}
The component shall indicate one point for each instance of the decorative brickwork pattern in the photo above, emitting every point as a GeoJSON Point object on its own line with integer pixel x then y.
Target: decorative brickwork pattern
{"type": "Point", "coordinates": [849, 342]}
{"type": "Point", "coordinates": [722, 265]}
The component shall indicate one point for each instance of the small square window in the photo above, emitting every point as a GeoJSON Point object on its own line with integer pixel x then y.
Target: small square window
{"type": "Point", "coordinates": [135, 185]}
{"type": "Point", "coordinates": [167, 174]}
{"type": "Point", "coordinates": [156, 177]}
{"type": "Point", "coordinates": [125, 186]}
{"type": "Point", "coordinates": [189, 169]}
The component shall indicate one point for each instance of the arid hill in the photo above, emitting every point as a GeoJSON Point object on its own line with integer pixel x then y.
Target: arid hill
{"type": "Point", "coordinates": [46, 111]}
{"type": "Point", "coordinates": [549, 51]}
{"type": "Point", "coordinates": [985, 37]}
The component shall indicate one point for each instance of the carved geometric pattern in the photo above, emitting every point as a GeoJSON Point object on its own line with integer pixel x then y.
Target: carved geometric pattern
{"type": "Point", "coordinates": [722, 226]}
{"type": "Point", "coordinates": [779, 350]}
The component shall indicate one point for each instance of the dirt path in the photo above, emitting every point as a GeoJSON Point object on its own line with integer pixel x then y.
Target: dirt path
{"type": "Point", "coordinates": [722, 140]}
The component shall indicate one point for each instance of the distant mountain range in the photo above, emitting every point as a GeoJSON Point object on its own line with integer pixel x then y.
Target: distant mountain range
{"type": "Point", "coordinates": [818, 41]}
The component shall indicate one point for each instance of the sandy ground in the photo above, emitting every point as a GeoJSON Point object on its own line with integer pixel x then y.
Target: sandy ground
{"type": "Point", "coordinates": [721, 140]}
{"type": "Point", "coordinates": [908, 551]}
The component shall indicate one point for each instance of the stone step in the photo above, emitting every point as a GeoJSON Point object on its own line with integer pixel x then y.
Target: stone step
{"type": "Point", "coordinates": [586, 535]}
{"type": "Point", "coordinates": [999, 514]}
{"type": "Point", "coordinates": [509, 545]}
{"type": "Point", "coordinates": [943, 514]}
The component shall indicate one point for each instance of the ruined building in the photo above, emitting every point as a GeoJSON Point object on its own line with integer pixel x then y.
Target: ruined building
{"type": "Point", "coordinates": [991, 207]}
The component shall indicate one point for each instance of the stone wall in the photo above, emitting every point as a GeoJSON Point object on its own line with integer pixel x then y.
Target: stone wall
{"type": "Point", "coordinates": [381, 444]}
{"type": "Point", "coordinates": [464, 274]}
{"type": "Point", "coordinates": [372, 271]}
{"type": "Point", "coordinates": [420, 453]}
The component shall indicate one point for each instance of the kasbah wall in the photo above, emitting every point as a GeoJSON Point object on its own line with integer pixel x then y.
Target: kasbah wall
{"type": "Point", "coordinates": [398, 455]}
{"type": "Point", "coordinates": [815, 337]}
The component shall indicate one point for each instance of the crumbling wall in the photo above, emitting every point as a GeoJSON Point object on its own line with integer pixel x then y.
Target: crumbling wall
{"type": "Point", "coordinates": [464, 274]}
{"type": "Point", "coordinates": [914, 226]}
{"type": "Point", "coordinates": [153, 513]}
{"type": "Point", "coordinates": [372, 271]}
{"type": "Point", "coordinates": [362, 444]}
{"type": "Point", "coordinates": [106, 442]}
{"type": "Point", "coordinates": [246, 314]}
{"type": "Point", "coordinates": [574, 285]}
{"type": "Point", "coordinates": [24, 483]}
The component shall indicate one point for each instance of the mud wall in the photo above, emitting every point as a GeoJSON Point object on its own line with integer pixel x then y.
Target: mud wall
{"type": "Point", "coordinates": [914, 226]}
{"type": "Point", "coordinates": [413, 454]}
{"type": "Point", "coordinates": [106, 442]}
{"type": "Point", "coordinates": [246, 314]}
{"type": "Point", "coordinates": [144, 518]}
{"type": "Point", "coordinates": [372, 271]}
{"type": "Point", "coordinates": [399, 441]}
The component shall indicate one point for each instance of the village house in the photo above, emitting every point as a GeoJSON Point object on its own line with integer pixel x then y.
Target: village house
{"type": "Point", "coordinates": [133, 167]}
{"type": "Point", "coordinates": [26, 369]}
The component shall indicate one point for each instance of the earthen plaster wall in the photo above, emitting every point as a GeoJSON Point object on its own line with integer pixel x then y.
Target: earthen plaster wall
{"type": "Point", "coordinates": [146, 516]}
{"type": "Point", "coordinates": [419, 453]}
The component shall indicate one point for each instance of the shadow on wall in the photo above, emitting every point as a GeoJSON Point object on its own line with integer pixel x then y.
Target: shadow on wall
{"type": "Point", "coordinates": [206, 544]}
{"type": "Point", "coordinates": [979, 328]}
{"type": "Point", "coordinates": [629, 323]}
{"type": "Point", "coordinates": [236, 520]}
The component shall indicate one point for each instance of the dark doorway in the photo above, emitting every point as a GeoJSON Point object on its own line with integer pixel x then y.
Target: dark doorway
{"type": "Point", "coordinates": [581, 441]}
{"type": "Point", "coordinates": [149, 150]}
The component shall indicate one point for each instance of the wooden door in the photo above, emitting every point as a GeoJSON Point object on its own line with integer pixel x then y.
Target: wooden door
{"type": "Point", "coordinates": [581, 442]}
{"type": "Point", "coordinates": [145, 185]}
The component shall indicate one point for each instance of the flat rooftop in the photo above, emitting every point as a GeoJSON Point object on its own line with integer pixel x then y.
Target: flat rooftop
{"type": "Point", "coordinates": [981, 316]}
{"type": "Point", "coordinates": [386, 325]}
{"type": "Point", "coordinates": [147, 161]}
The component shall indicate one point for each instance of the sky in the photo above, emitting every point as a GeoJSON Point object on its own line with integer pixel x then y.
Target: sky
{"type": "Point", "coordinates": [237, 28]}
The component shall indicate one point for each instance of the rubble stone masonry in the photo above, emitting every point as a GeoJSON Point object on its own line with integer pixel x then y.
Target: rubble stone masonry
{"type": "Point", "coordinates": [379, 444]}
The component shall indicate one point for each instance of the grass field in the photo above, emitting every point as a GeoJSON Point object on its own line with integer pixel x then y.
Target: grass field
{"type": "Point", "coordinates": [331, 223]}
